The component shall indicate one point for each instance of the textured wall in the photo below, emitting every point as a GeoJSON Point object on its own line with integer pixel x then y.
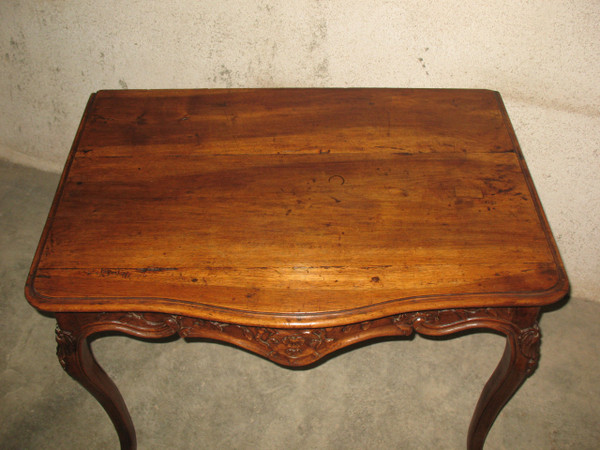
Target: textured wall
{"type": "Point", "coordinates": [541, 55]}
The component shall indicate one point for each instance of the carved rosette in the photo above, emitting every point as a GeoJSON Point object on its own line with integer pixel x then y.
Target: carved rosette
{"type": "Point", "coordinates": [281, 344]}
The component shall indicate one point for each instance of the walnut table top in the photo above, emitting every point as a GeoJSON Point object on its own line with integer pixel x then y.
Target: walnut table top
{"type": "Point", "coordinates": [295, 207]}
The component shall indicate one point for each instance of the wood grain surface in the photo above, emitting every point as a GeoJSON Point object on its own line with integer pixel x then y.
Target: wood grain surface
{"type": "Point", "coordinates": [295, 208]}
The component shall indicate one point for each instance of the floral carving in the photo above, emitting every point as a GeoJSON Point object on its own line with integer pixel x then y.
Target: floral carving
{"type": "Point", "coordinates": [406, 322]}
{"type": "Point", "coordinates": [293, 344]}
{"type": "Point", "coordinates": [296, 347]}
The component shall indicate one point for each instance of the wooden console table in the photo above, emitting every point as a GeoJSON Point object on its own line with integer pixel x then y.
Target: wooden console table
{"type": "Point", "coordinates": [293, 223]}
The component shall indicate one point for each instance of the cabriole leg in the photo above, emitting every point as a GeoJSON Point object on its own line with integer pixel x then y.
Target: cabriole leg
{"type": "Point", "coordinates": [519, 360]}
{"type": "Point", "coordinates": [76, 358]}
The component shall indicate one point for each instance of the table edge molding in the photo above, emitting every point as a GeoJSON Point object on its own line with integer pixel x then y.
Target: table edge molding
{"type": "Point", "coordinates": [299, 320]}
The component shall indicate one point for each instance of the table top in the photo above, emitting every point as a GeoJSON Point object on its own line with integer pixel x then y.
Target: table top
{"type": "Point", "coordinates": [295, 208]}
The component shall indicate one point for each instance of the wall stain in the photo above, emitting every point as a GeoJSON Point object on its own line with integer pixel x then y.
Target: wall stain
{"type": "Point", "coordinates": [224, 76]}
{"type": "Point", "coordinates": [322, 70]}
{"type": "Point", "coordinates": [423, 65]}
{"type": "Point", "coordinates": [318, 36]}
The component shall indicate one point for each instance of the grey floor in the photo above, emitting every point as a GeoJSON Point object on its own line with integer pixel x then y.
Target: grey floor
{"type": "Point", "coordinates": [405, 394]}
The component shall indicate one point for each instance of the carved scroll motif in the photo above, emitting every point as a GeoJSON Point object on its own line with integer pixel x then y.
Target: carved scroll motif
{"type": "Point", "coordinates": [296, 347]}
{"type": "Point", "coordinates": [443, 322]}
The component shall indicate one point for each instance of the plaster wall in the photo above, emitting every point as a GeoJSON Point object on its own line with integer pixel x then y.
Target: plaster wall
{"type": "Point", "coordinates": [541, 55]}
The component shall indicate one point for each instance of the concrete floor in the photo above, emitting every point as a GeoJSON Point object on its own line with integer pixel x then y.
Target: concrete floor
{"type": "Point", "coordinates": [406, 394]}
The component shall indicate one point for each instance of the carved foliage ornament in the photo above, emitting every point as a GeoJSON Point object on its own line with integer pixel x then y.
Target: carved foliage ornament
{"type": "Point", "coordinates": [296, 347]}
{"type": "Point", "coordinates": [529, 342]}
{"type": "Point", "coordinates": [66, 346]}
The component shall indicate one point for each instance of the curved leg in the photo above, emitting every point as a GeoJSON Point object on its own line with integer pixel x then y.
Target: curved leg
{"type": "Point", "coordinates": [518, 361]}
{"type": "Point", "coordinates": [76, 358]}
